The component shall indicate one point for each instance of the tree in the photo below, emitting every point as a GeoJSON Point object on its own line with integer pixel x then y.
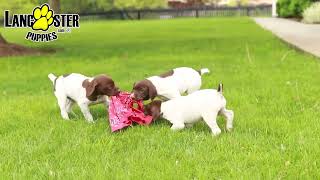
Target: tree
{"type": "Point", "coordinates": [2, 40]}
{"type": "Point", "coordinates": [12, 49]}
{"type": "Point", "coordinates": [80, 6]}
{"type": "Point", "coordinates": [55, 5]}
{"type": "Point", "coordinates": [104, 4]}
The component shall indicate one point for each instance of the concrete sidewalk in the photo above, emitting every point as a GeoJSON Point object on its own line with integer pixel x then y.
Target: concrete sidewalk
{"type": "Point", "coordinates": [303, 36]}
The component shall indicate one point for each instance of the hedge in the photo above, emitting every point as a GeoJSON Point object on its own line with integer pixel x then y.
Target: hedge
{"type": "Point", "coordinates": [292, 8]}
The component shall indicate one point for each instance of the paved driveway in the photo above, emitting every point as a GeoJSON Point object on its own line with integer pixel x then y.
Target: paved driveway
{"type": "Point", "coordinates": [303, 36]}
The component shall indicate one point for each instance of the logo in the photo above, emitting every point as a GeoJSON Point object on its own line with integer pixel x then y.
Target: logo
{"type": "Point", "coordinates": [43, 18]}
{"type": "Point", "coordinates": [42, 21]}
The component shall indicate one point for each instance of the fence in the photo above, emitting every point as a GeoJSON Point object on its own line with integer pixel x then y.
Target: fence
{"type": "Point", "coordinates": [263, 10]}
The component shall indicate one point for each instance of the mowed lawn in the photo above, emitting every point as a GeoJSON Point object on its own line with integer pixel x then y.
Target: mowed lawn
{"type": "Point", "coordinates": [273, 89]}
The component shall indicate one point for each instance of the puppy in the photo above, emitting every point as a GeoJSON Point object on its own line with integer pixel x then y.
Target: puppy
{"type": "Point", "coordinates": [186, 110]}
{"type": "Point", "coordinates": [169, 85]}
{"type": "Point", "coordinates": [83, 90]}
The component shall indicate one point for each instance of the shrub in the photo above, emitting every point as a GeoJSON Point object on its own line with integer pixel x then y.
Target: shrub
{"type": "Point", "coordinates": [312, 13]}
{"type": "Point", "coordinates": [292, 8]}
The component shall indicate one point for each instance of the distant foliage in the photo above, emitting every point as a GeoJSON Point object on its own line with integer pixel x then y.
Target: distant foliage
{"type": "Point", "coordinates": [80, 6]}
{"type": "Point", "coordinates": [312, 14]}
{"type": "Point", "coordinates": [139, 4]}
{"type": "Point", "coordinates": [211, 2]}
{"type": "Point", "coordinates": [17, 6]}
{"type": "Point", "coordinates": [236, 2]}
{"type": "Point", "coordinates": [104, 5]}
{"type": "Point", "coordinates": [292, 8]}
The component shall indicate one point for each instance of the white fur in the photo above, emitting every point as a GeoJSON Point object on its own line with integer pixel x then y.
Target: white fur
{"type": "Point", "coordinates": [206, 104]}
{"type": "Point", "coordinates": [70, 87]}
{"type": "Point", "coordinates": [204, 71]}
{"type": "Point", "coordinates": [184, 79]}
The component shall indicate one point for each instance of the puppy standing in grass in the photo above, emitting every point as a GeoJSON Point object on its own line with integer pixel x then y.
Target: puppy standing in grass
{"type": "Point", "coordinates": [169, 85]}
{"type": "Point", "coordinates": [83, 90]}
{"type": "Point", "coordinates": [186, 110]}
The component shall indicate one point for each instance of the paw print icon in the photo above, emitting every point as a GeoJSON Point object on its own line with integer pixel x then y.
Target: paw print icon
{"type": "Point", "coordinates": [43, 18]}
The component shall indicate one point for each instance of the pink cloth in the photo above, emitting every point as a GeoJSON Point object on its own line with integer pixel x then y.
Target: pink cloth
{"type": "Point", "coordinates": [122, 113]}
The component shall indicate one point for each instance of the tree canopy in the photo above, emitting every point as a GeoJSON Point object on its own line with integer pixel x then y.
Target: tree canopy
{"type": "Point", "coordinates": [79, 6]}
{"type": "Point", "coordinates": [17, 6]}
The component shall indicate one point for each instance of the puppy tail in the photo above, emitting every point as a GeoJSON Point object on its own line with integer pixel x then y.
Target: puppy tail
{"type": "Point", "coordinates": [220, 88]}
{"type": "Point", "coordinates": [52, 77]}
{"type": "Point", "coordinates": [204, 71]}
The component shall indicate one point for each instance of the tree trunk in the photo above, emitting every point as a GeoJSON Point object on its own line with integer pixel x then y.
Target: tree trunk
{"type": "Point", "coordinates": [11, 49]}
{"type": "Point", "coordinates": [2, 40]}
{"type": "Point", "coordinates": [55, 5]}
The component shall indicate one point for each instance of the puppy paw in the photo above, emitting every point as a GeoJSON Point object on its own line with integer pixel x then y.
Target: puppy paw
{"type": "Point", "coordinates": [229, 129]}
{"type": "Point", "coordinates": [65, 116]}
{"type": "Point", "coordinates": [216, 132]}
{"type": "Point", "coordinates": [177, 127]}
{"type": "Point", "coordinates": [91, 121]}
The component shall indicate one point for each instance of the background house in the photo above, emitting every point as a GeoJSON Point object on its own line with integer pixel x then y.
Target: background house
{"type": "Point", "coordinates": [184, 3]}
{"type": "Point", "coordinates": [244, 2]}
{"type": "Point", "coordinates": [196, 3]}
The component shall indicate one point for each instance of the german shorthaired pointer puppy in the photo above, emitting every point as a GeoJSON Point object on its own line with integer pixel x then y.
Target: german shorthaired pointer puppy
{"type": "Point", "coordinates": [186, 110]}
{"type": "Point", "coordinates": [83, 90]}
{"type": "Point", "coordinates": [169, 85]}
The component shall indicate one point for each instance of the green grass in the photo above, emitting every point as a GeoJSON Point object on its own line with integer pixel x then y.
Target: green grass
{"type": "Point", "coordinates": [273, 90]}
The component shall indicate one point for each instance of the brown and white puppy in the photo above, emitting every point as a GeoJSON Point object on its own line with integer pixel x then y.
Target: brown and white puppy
{"type": "Point", "coordinates": [83, 90]}
{"type": "Point", "coordinates": [184, 111]}
{"type": "Point", "coordinates": [169, 85]}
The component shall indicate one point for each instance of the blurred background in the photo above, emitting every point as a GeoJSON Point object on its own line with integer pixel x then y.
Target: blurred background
{"type": "Point", "coordinates": [139, 9]}
{"type": "Point", "coordinates": [127, 9]}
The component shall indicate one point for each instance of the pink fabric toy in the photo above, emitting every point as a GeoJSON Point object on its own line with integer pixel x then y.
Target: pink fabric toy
{"type": "Point", "coordinates": [122, 113]}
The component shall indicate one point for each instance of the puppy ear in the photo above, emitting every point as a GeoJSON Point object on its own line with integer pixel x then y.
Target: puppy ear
{"type": "Point", "coordinates": [152, 92]}
{"type": "Point", "coordinates": [155, 109]}
{"type": "Point", "coordinates": [155, 115]}
{"type": "Point", "coordinates": [90, 87]}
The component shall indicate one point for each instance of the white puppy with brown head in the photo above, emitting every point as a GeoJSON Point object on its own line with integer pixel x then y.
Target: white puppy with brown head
{"type": "Point", "coordinates": [169, 85]}
{"type": "Point", "coordinates": [184, 111]}
{"type": "Point", "coordinates": [83, 90]}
